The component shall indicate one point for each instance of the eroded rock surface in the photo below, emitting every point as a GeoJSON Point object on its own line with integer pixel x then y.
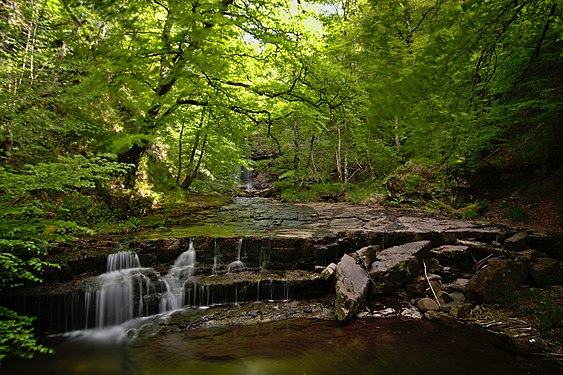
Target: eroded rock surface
{"type": "Point", "coordinates": [351, 288]}
{"type": "Point", "coordinates": [397, 265]}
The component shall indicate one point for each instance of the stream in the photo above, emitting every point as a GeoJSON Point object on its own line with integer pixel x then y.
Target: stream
{"type": "Point", "coordinates": [239, 304]}
{"type": "Point", "coordinates": [296, 346]}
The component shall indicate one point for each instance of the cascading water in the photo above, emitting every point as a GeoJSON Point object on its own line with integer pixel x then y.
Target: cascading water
{"type": "Point", "coordinates": [180, 273]}
{"type": "Point", "coordinates": [118, 295]}
{"type": "Point", "coordinates": [237, 265]}
{"type": "Point", "coordinates": [128, 291]}
{"type": "Point", "coordinates": [216, 259]}
{"type": "Point", "coordinates": [122, 260]}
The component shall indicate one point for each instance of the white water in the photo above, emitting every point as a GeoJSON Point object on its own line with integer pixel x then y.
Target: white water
{"type": "Point", "coordinates": [237, 265]}
{"type": "Point", "coordinates": [180, 273]}
{"type": "Point", "coordinates": [118, 294]}
{"type": "Point", "coordinates": [122, 260]}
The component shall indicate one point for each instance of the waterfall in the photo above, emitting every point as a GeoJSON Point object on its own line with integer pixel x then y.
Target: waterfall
{"type": "Point", "coordinates": [237, 265]}
{"type": "Point", "coordinates": [180, 273]}
{"type": "Point", "coordinates": [119, 294]}
{"type": "Point", "coordinates": [216, 258]}
{"type": "Point", "coordinates": [246, 179]}
{"type": "Point", "coordinates": [122, 260]}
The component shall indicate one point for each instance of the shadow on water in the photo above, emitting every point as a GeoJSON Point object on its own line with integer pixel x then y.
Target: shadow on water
{"type": "Point", "coordinates": [381, 347]}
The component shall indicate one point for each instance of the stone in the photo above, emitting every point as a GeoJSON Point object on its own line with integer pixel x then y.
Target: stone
{"type": "Point", "coordinates": [498, 278]}
{"type": "Point", "coordinates": [433, 265]}
{"type": "Point", "coordinates": [388, 312]}
{"type": "Point", "coordinates": [444, 297]}
{"type": "Point", "coordinates": [457, 297]}
{"type": "Point", "coordinates": [420, 285]}
{"type": "Point", "coordinates": [410, 313]}
{"type": "Point", "coordinates": [516, 242]}
{"type": "Point", "coordinates": [457, 285]}
{"type": "Point", "coordinates": [397, 265]}
{"type": "Point", "coordinates": [546, 271]}
{"type": "Point", "coordinates": [367, 255]}
{"type": "Point", "coordinates": [453, 255]}
{"type": "Point", "coordinates": [328, 272]}
{"type": "Point", "coordinates": [351, 288]}
{"type": "Point", "coordinates": [462, 311]}
{"type": "Point", "coordinates": [529, 255]}
{"type": "Point", "coordinates": [427, 304]}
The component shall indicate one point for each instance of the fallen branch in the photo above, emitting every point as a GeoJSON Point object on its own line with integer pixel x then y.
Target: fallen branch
{"type": "Point", "coordinates": [430, 284]}
{"type": "Point", "coordinates": [484, 247]}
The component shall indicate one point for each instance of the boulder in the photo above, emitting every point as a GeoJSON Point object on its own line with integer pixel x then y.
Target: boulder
{"type": "Point", "coordinates": [453, 255]}
{"type": "Point", "coordinates": [516, 242]}
{"type": "Point", "coordinates": [397, 265]}
{"type": "Point", "coordinates": [427, 304]}
{"type": "Point", "coordinates": [546, 271]}
{"type": "Point", "coordinates": [496, 280]}
{"type": "Point", "coordinates": [351, 288]}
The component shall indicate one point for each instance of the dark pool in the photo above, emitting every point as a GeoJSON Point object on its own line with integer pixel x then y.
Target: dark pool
{"type": "Point", "coordinates": [380, 347]}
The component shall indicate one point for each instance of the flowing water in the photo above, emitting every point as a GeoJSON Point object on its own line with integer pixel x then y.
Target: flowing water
{"type": "Point", "coordinates": [312, 347]}
{"type": "Point", "coordinates": [180, 273]}
{"type": "Point", "coordinates": [139, 330]}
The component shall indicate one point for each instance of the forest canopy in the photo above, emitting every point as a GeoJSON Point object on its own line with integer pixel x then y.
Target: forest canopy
{"type": "Point", "coordinates": [109, 106]}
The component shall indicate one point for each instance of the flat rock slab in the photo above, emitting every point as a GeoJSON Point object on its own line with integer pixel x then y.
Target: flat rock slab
{"type": "Point", "coordinates": [269, 218]}
{"type": "Point", "coordinates": [351, 288]}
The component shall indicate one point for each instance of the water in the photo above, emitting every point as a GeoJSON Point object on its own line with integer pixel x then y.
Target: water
{"type": "Point", "coordinates": [118, 295]}
{"type": "Point", "coordinates": [237, 265]}
{"type": "Point", "coordinates": [309, 347]}
{"type": "Point", "coordinates": [122, 260]}
{"type": "Point", "coordinates": [180, 274]}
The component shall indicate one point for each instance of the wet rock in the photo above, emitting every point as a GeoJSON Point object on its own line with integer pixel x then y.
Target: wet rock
{"type": "Point", "coordinates": [516, 242]}
{"type": "Point", "coordinates": [441, 318]}
{"type": "Point", "coordinates": [497, 279]}
{"type": "Point", "coordinates": [427, 304]}
{"type": "Point", "coordinates": [410, 313]}
{"type": "Point", "coordinates": [388, 312]}
{"type": "Point", "coordinates": [461, 311]}
{"type": "Point", "coordinates": [328, 272]}
{"type": "Point", "coordinates": [367, 255]}
{"type": "Point", "coordinates": [351, 288]}
{"type": "Point", "coordinates": [396, 265]}
{"type": "Point", "coordinates": [546, 271]}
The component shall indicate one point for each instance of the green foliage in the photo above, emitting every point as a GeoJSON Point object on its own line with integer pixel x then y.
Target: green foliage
{"type": "Point", "coordinates": [17, 336]}
{"type": "Point", "coordinates": [513, 211]}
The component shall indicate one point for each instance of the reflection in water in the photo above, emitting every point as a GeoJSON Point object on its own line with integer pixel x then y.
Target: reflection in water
{"type": "Point", "coordinates": [380, 347]}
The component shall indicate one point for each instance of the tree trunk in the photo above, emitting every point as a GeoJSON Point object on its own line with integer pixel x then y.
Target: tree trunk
{"type": "Point", "coordinates": [339, 153]}
{"type": "Point", "coordinates": [133, 156]}
{"type": "Point", "coordinates": [191, 176]}
{"type": "Point", "coordinates": [296, 146]}
{"type": "Point", "coordinates": [191, 172]}
{"type": "Point", "coordinates": [180, 153]}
